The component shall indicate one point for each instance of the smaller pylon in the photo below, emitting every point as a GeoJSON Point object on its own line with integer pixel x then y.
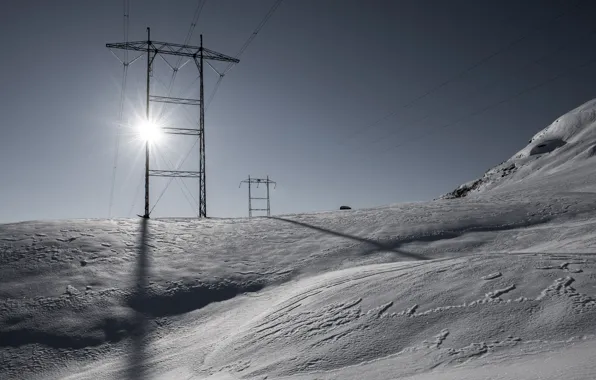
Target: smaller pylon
{"type": "Point", "coordinates": [258, 181]}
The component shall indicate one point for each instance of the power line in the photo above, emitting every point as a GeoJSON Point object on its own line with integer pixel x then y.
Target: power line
{"type": "Point", "coordinates": [245, 46]}
{"type": "Point", "coordinates": [193, 25]}
{"type": "Point", "coordinates": [214, 91]}
{"type": "Point", "coordinates": [191, 84]}
{"type": "Point", "coordinates": [195, 19]}
{"type": "Point", "coordinates": [465, 71]}
{"type": "Point", "coordinates": [488, 85]}
{"type": "Point", "coordinates": [125, 25]}
{"type": "Point", "coordinates": [256, 31]}
{"type": "Point", "coordinates": [218, 83]}
{"type": "Point", "coordinates": [125, 65]}
{"type": "Point", "coordinates": [496, 104]}
{"type": "Point", "coordinates": [177, 66]}
{"type": "Point", "coordinates": [187, 112]}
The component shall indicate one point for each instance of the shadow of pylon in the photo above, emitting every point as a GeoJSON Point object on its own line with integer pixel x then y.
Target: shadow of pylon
{"type": "Point", "coordinates": [378, 246]}
{"type": "Point", "coordinates": [137, 359]}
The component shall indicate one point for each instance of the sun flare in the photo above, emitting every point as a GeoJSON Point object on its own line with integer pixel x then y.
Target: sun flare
{"type": "Point", "coordinates": [149, 131]}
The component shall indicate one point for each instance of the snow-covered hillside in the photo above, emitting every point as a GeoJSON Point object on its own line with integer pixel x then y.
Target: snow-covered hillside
{"type": "Point", "coordinates": [567, 144]}
{"type": "Point", "coordinates": [500, 284]}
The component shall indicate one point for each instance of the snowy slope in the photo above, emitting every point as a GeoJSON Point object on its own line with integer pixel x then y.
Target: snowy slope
{"type": "Point", "coordinates": [500, 284]}
{"type": "Point", "coordinates": [569, 143]}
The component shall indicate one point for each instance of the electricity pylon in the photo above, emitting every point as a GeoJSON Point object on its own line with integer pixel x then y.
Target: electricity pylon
{"type": "Point", "coordinates": [258, 181]}
{"type": "Point", "coordinates": [198, 54]}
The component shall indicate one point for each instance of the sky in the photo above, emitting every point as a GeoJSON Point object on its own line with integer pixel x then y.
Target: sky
{"type": "Point", "coordinates": [359, 103]}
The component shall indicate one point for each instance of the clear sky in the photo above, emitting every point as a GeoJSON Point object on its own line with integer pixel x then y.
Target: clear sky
{"type": "Point", "coordinates": [302, 105]}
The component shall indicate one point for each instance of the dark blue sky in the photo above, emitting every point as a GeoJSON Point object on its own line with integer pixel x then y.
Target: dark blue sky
{"type": "Point", "coordinates": [299, 107]}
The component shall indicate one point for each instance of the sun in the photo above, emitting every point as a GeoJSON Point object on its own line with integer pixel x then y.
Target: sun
{"type": "Point", "coordinates": [149, 131]}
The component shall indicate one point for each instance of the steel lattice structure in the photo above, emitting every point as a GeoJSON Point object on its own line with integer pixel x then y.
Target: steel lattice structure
{"type": "Point", "coordinates": [258, 181]}
{"type": "Point", "coordinates": [199, 55]}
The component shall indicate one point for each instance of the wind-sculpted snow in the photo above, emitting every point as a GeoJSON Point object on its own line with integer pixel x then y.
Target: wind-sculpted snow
{"type": "Point", "coordinates": [296, 294]}
{"type": "Point", "coordinates": [449, 289]}
{"type": "Point", "coordinates": [443, 308]}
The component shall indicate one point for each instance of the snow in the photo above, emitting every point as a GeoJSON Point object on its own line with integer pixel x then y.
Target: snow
{"type": "Point", "coordinates": [567, 144]}
{"type": "Point", "coordinates": [498, 282]}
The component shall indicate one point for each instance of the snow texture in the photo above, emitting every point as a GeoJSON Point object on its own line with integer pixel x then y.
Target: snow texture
{"type": "Point", "coordinates": [499, 283]}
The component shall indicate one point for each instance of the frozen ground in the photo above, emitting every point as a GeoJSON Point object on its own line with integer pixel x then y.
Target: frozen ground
{"type": "Point", "coordinates": [498, 282]}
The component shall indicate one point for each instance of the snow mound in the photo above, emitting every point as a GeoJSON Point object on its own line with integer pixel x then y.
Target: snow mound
{"type": "Point", "coordinates": [546, 146]}
{"type": "Point", "coordinates": [568, 142]}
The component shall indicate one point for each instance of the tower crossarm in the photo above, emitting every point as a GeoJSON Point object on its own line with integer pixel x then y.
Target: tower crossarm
{"type": "Point", "coordinates": [174, 173]}
{"type": "Point", "coordinates": [167, 48]}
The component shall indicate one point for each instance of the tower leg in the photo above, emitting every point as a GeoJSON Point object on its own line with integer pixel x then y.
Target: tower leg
{"type": "Point", "coordinates": [146, 216]}
{"type": "Point", "coordinates": [203, 177]}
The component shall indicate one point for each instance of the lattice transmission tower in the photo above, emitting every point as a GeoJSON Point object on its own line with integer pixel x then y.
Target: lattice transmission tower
{"type": "Point", "coordinates": [199, 55]}
{"type": "Point", "coordinates": [250, 181]}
